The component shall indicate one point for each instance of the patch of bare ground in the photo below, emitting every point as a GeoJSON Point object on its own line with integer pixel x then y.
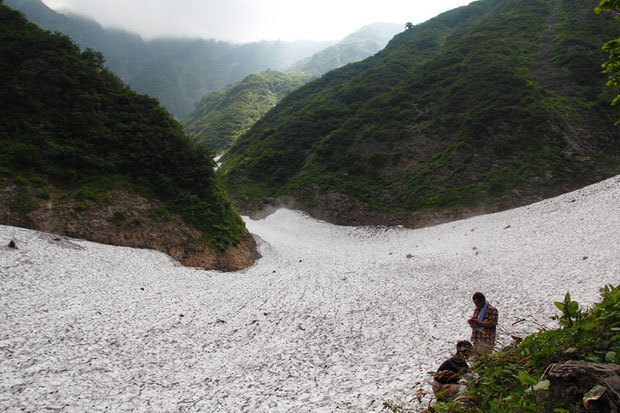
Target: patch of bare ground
{"type": "Point", "coordinates": [339, 209]}
{"type": "Point", "coordinates": [119, 218]}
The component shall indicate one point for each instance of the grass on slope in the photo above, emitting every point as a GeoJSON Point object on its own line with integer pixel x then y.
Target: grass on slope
{"type": "Point", "coordinates": [221, 116]}
{"type": "Point", "coordinates": [279, 145]}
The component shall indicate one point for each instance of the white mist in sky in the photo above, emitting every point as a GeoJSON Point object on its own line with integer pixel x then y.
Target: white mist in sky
{"type": "Point", "coordinates": [252, 20]}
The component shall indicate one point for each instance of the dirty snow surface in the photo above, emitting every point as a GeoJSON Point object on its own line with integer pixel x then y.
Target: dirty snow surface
{"type": "Point", "coordinates": [330, 319]}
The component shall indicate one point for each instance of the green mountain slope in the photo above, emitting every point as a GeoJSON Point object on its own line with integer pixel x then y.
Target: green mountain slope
{"type": "Point", "coordinates": [485, 107]}
{"type": "Point", "coordinates": [72, 131]}
{"type": "Point", "coordinates": [125, 53]}
{"type": "Point", "coordinates": [180, 79]}
{"type": "Point", "coordinates": [223, 115]}
{"type": "Point", "coordinates": [178, 72]}
{"type": "Point", "coordinates": [220, 117]}
{"type": "Point", "coordinates": [355, 47]}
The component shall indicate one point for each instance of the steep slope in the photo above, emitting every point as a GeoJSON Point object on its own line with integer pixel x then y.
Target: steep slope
{"type": "Point", "coordinates": [355, 47]}
{"type": "Point", "coordinates": [220, 117]}
{"type": "Point", "coordinates": [181, 78]}
{"type": "Point", "coordinates": [223, 115]}
{"type": "Point", "coordinates": [125, 53]}
{"type": "Point", "coordinates": [485, 107]}
{"type": "Point", "coordinates": [176, 71]}
{"type": "Point", "coordinates": [83, 155]}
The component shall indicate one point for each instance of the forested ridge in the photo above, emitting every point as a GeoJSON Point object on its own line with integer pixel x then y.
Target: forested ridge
{"type": "Point", "coordinates": [221, 116]}
{"type": "Point", "coordinates": [177, 71]}
{"type": "Point", "coordinates": [70, 129]}
{"type": "Point", "coordinates": [357, 46]}
{"type": "Point", "coordinates": [488, 106]}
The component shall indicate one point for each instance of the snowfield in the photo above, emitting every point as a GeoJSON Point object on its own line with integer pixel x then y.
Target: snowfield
{"type": "Point", "coordinates": [330, 319]}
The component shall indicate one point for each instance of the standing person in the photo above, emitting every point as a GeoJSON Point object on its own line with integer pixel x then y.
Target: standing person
{"type": "Point", "coordinates": [446, 380]}
{"type": "Point", "coordinates": [483, 325]}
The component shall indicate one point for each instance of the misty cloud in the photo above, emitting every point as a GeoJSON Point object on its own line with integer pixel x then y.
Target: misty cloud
{"type": "Point", "coordinates": [251, 20]}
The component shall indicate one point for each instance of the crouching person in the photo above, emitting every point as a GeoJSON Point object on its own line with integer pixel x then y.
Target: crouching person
{"type": "Point", "coordinates": [446, 380]}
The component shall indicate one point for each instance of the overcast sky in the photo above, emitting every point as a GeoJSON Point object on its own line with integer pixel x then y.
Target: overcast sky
{"type": "Point", "coordinates": [252, 20]}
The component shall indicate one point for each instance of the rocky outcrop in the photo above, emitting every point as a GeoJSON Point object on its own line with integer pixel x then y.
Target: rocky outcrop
{"type": "Point", "coordinates": [120, 218]}
{"type": "Point", "coordinates": [579, 386]}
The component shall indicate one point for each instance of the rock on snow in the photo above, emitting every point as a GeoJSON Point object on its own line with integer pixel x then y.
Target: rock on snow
{"type": "Point", "coordinates": [331, 318]}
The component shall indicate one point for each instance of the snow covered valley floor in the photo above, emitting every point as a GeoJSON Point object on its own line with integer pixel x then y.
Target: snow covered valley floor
{"type": "Point", "coordinates": [330, 319]}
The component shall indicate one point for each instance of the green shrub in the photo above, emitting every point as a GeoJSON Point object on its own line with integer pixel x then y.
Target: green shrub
{"type": "Point", "coordinates": [81, 207]}
{"type": "Point", "coordinates": [135, 222]}
{"type": "Point", "coordinates": [23, 203]}
{"type": "Point", "coordinates": [38, 181]}
{"type": "Point", "coordinates": [44, 194]}
{"type": "Point", "coordinates": [87, 193]}
{"type": "Point", "coordinates": [118, 217]}
{"type": "Point", "coordinates": [20, 181]}
{"type": "Point", "coordinates": [158, 212]}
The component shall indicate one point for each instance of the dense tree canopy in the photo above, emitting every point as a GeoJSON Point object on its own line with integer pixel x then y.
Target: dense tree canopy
{"type": "Point", "coordinates": [612, 66]}
{"type": "Point", "coordinates": [66, 118]}
{"type": "Point", "coordinates": [221, 116]}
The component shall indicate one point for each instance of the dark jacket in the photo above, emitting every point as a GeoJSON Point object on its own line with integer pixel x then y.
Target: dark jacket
{"type": "Point", "coordinates": [451, 370]}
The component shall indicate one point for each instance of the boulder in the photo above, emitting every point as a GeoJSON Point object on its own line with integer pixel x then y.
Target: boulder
{"type": "Point", "coordinates": [579, 386]}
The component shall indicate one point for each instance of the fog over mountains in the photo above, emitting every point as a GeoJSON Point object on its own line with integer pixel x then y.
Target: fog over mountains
{"type": "Point", "coordinates": [180, 71]}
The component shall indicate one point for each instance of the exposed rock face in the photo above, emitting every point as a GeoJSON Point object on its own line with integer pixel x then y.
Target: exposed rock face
{"type": "Point", "coordinates": [571, 381]}
{"type": "Point", "coordinates": [125, 220]}
{"type": "Point", "coordinates": [341, 210]}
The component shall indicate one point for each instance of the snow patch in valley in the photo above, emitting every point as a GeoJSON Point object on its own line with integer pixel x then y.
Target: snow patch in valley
{"type": "Point", "coordinates": [331, 318]}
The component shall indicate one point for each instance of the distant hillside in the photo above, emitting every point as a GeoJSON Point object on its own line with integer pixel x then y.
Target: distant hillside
{"type": "Point", "coordinates": [125, 53]}
{"type": "Point", "coordinates": [488, 106]}
{"type": "Point", "coordinates": [355, 47]}
{"type": "Point", "coordinates": [178, 72]}
{"type": "Point", "coordinates": [223, 115]}
{"type": "Point", "coordinates": [85, 156]}
{"type": "Point", "coordinates": [181, 78]}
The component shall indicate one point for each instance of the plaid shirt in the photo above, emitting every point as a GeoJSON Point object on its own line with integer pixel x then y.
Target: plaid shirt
{"type": "Point", "coordinates": [487, 335]}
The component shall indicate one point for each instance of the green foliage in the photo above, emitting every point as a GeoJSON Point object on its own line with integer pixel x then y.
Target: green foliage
{"type": "Point", "coordinates": [80, 207]}
{"type": "Point", "coordinates": [118, 217]}
{"type": "Point", "coordinates": [222, 116]}
{"type": "Point", "coordinates": [44, 194]}
{"type": "Point", "coordinates": [65, 118]}
{"type": "Point", "coordinates": [570, 311]}
{"type": "Point", "coordinates": [158, 212]}
{"type": "Point", "coordinates": [609, 5]}
{"type": "Point", "coordinates": [508, 381]}
{"type": "Point", "coordinates": [612, 65]}
{"type": "Point", "coordinates": [488, 105]}
{"type": "Point", "coordinates": [87, 193]}
{"type": "Point", "coordinates": [23, 203]}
